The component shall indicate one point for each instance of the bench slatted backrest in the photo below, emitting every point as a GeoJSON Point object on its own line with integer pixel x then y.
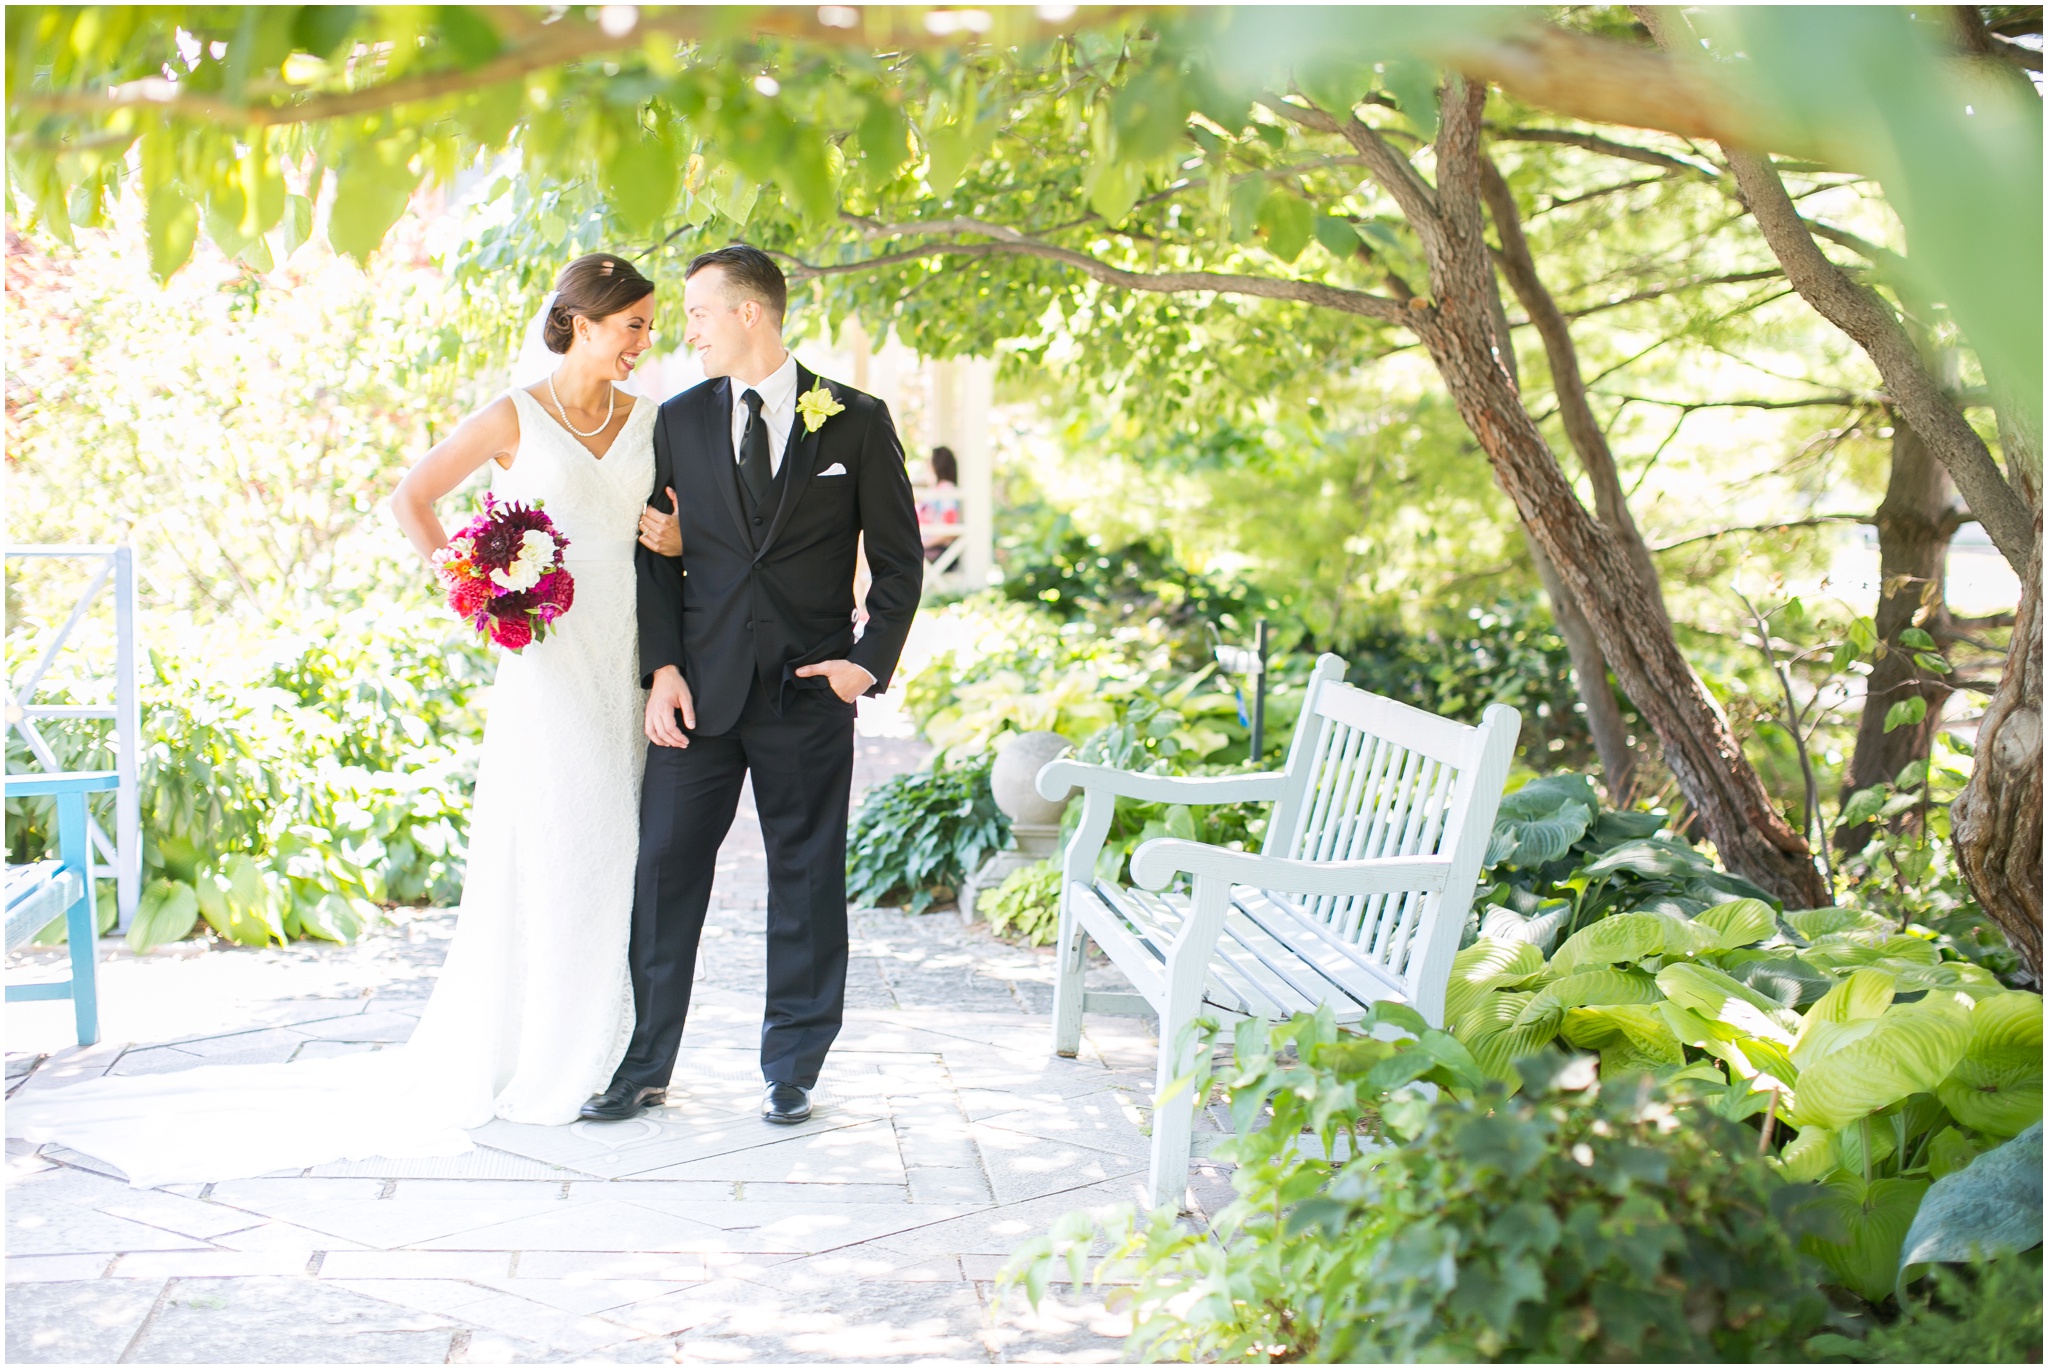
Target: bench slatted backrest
{"type": "Point", "coordinates": [1369, 777]}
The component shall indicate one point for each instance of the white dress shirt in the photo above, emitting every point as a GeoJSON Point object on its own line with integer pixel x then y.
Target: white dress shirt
{"type": "Point", "coordinates": [778, 411]}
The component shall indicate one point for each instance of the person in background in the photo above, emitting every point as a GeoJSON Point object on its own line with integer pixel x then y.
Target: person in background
{"type": "Point", "coordinates": [938, 505]}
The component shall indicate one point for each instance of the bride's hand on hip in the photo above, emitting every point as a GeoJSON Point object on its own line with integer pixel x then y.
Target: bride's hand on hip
{"type": "Point", "coordinates": [669, 695]}
{"type": "Point", "coordinates": [659, 532]}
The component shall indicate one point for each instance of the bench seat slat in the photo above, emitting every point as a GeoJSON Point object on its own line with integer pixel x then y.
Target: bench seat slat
{"type": "Point", "coordinates": [1339, 961]}
{"type": "Point", "coordinates": [37, 895]}
{"type": "Point", "coordinates": [1255, 971]}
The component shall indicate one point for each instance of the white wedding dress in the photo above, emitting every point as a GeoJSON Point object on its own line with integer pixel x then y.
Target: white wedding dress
{"type": "Point", "coordinates": [534, 1005]}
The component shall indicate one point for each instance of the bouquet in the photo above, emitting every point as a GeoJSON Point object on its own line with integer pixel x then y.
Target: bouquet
{"type": "Point", "coordinates": [504, 573]}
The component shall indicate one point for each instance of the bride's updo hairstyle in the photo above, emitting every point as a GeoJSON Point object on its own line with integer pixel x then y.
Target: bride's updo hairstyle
{"type": "Point", "coordinates": [593, 287]}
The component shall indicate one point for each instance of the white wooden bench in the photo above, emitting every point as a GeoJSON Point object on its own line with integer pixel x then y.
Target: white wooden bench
{"type": "Point", "coordinates": [1379, 823]}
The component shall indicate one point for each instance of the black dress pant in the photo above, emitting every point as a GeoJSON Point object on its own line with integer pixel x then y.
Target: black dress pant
{"type": "Point", "coordinates": [802, 768]}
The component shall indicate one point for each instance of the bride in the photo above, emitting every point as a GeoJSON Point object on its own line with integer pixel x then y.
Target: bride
{"type": "Point", "coordinates": [534, 1007]}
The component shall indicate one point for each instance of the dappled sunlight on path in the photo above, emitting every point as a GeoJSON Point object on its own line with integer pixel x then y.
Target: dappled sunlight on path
{"type": "Point", "coordinates": [946, 1135]}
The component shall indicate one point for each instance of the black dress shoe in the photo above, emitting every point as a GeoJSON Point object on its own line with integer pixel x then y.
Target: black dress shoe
{"type": "Point", "coordinates": [787, 1104]}
{"type": "Point", "coordinates": [620, 1101]}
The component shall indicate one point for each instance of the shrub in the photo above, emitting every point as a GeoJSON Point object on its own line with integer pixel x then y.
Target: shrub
{"type": "Point", "coordinates": [917, 836]}
{"type": "Point", "coordinates": [1026, 905]}
{"type": "Point", "coordinates": [1979, 1314]}
{"type": "Point", "coordinates": [1579, 1219]}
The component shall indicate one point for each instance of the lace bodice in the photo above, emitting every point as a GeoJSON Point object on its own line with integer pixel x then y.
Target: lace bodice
{"type": "Point", "coordinates": [595, 503]}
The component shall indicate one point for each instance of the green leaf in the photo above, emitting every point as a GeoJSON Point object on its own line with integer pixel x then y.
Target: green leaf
{"type": "Point", "coordinates": [1337, 236]}
{"type": "Point", "coordinates": [172, 221]}
{"type": "Point", "coordinates": [1739, 922]}
{"type": "Point", "coordinates": [1905, 713]}
{"type": "Point", "coordinates": [884, 139]}
{"type": "Point", "coordinates": [1948, 1153]}
{"type": "Point", "coordinates": [1990, 1208]}
{"type": "Point", "coordinates": [640, 180]}
{"type": "Point", "coordinates": [1483, 966]}
{"type": "Point", "coordinates": [1713, 994]}
{"type": "Point", "coordinates": [167, 912]}
{"type": "Point", "coordinates": [1113, 187]}
{"type": "Point", "coordinates": [1288, 222]}
{"type": "Point", "coordinates": [1630, 1037]}
{"type": "Point", "coordinates": [1909, 1050]}
{"type": "Point", "coordinates": [1862, 806]}
{"type": "Point", "coordinates": [1996, 1087]}
{"type": "Point", "coordinates": [1413, 85]}
{"type": "Point", "coordinates": [1625, 937]}
{"type": "Point", "coordinates": [1876, 1218]}
{"type": "Point", "coordinates": [375, 183]}
{"type": "Point", "coordinates": [468, 35]}
{"type": "Point", "coordinates": [954, 146]}
{"type": "Point", "coordinates": [1599, 987]}
{"type": "Point", "coordinates": [1917, 638]}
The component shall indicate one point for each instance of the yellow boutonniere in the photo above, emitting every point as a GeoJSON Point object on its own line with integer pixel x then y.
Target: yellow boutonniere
{"type": "Point", "coordinates": [816, 405]}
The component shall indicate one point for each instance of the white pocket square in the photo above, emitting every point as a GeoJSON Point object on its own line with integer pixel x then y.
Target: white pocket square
{"type": "Point", "coordinates": [836, 468]}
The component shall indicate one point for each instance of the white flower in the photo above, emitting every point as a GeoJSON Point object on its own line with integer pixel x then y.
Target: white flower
{"type": "Point", "coordinates": [536, 558]}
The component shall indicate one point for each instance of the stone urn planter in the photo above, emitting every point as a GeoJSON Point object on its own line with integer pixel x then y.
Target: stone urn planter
{"type": "Point", "coordinates": [1034, 822]}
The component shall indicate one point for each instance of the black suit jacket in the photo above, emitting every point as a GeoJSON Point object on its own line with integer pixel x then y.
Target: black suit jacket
{"type": "Point", "coordinates": [735, 606]}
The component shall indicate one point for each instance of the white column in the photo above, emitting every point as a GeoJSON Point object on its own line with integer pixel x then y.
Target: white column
{"type": "Point", "coordinates": [976, 383]}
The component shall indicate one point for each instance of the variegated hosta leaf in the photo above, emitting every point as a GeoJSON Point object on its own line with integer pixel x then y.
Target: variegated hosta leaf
{"type": "Point", "coordinates": [1628, 1036]}
{"type": "Point", "coordinates": [1624, 938]}
{"type": "Point", "coordinates": [1784, 979]}
{"type": "Point", "coordinates": [1844, 1013]}
{"type": "Point", "coordinates": [1484, 965]}
{"type": "Point", "coordinates": [1875, 1217]}
{"type": "Point", "coordinates": [1590, 988]}
{"type": "Point", "coordinates": [1495, 1012]}
{"type": "Point", "coordinates": [1996, 1087]}
{"type": "Point", "coordinates": [1711, 993]}
{"type": "Point", "coordinates": [1810, 1155]}
{"type": "Point", "coordinates": [1910, 1049]}
{"type": "Point", "coordinates": [1814, 923]}
{"type": "Point", "coordinates": [1497, 1052]}
{"type": "Point", "coordinates": [1740, 922]}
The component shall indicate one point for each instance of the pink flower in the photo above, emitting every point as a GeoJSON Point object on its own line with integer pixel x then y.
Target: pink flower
{"type": "Point", "coordinates": [469, 597]}
{"type": "Point", "coordinates": [512, 633]}
{"type": "Point", "coordinates": [555, 593]}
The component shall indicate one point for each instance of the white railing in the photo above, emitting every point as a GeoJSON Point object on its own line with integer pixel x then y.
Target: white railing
{"type": "Point", "coordinates": [123, 852]}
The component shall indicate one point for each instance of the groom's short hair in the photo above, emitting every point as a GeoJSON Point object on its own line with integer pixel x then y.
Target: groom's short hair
{"type": "Point", "coordinates": [750, 273]}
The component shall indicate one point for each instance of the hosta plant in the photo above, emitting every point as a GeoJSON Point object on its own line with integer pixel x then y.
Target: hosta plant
{"type": "Point", "coordinates": [1873, 1062]}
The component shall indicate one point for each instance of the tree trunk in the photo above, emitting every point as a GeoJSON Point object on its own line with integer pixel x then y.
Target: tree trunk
{"type": "Point", "coordinates": [1627, 616]}
{"type": "Point", "coordinates": [1997, 819]}
{"type": "Point", "coordinates": [1914, 525]}
{"type": "Point", "coordinates": [1603, 714]}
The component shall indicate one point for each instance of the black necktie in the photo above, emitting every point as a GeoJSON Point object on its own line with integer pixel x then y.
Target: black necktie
{"type": "Point", "coordinates": [755, 471]}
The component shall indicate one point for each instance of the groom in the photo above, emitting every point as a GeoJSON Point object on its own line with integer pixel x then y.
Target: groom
{"type": "Point", "coordinates": [748, 653]}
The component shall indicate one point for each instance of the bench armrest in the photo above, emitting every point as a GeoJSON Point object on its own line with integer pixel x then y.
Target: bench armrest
{"type": "Point", "coordinates": [1061, 777]}
{"type": "Point", "coordinates": [1154, 865]}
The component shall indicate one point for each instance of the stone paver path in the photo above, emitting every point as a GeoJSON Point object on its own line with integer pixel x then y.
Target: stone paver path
{"type": "Point", "coordinates": [946, 1133]}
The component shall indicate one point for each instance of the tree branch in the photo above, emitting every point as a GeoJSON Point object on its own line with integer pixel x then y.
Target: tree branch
{"type": "Point", "coordinates": [1832, 401]}
{"type": "Point", "coordinates": [569, 39]}
{"type": "Point", "coordinates": [1415, 196]}
{"type": "Point", "coordinates": [1820, 521]}
{"type": "Point", "coordinates": [1012, 243]}
{"type": "Point", "coordinates": [1863, 315]}
{"type": "Point", "coordinates": [1566, 381]}
{"type": "Point", "coordinates": [1672, 288]}
{"type": "Point", "coordinates": [1593, 142]}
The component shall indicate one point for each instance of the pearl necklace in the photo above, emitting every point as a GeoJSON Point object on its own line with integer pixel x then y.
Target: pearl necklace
{"type": "Point", "coordinates": [611, 404]}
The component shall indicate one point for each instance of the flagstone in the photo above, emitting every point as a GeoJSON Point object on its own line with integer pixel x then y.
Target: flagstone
{"type": "Point", "coordinates": [86, 1322]}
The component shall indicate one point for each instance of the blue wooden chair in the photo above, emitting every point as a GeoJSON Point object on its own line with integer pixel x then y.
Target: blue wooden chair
{"type": "Point", "coordinates": [39, 894]}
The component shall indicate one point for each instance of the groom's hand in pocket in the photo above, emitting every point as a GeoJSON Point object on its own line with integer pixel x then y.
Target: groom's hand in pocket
{"type": "Point", "coordinates": [669, 696]}
{"type": "Point", "coordinates": [848, 680]}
